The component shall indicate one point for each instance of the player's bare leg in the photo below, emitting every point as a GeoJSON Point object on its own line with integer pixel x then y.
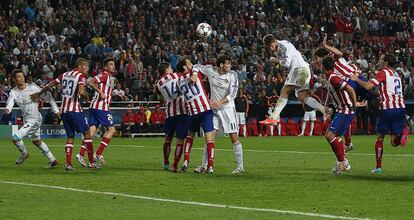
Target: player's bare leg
{"type": "Point", "coordinates": [45, 150]}
{"type": "Point", "coordinates": [238, 152]}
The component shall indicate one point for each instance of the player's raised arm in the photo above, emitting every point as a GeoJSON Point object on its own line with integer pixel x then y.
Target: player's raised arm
{"type": "Point", "coordinates": [36, 96]}
{"type": "Point", "coordinates": [335, 51]}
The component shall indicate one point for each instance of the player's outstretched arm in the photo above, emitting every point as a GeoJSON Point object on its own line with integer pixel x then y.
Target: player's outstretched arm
{"type": "Point", "coordinates": [366, 85]}
{"type": "Point", "coordinates": [36, 96]}
{"type": "Point", "coordinates": [335, 51]}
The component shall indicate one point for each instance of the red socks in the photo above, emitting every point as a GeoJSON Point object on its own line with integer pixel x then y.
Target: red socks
{"type": "Point", "coordinates": [177, 154]}
{"type": "Point", "coordinates": [105, 141]}
{"type": "Point", "coordinates": [188, 145]}
{"type": "Point", "coordinates": [89, 147]}
{"type": "Point", "coordinates": [210, 153]}
{"type": "Point", "coordinates": [166, 149]}
{"type": "Point", "coordinates": [338, 148]}
{"type": "Point", "coordinates": [378, 152]}
{"type": "Point", "coordinates": [82, 150]}
{"type": "Point", "coordinates": [68, 149]}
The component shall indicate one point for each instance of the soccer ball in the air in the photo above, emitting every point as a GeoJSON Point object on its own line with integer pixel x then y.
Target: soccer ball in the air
{"type": "Point", "coordinates": [204, 30]}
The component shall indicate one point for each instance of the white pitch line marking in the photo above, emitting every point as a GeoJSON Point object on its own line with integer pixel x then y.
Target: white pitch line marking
{"type": "Point", "coordinates": [265, 151]}
{"type": "Point", "coordinates": [185, 202]}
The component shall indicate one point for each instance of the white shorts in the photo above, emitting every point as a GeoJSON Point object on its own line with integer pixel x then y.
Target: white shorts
{"type": "Point", "coordinates": [299, 77]}
{"type": "Point", "coordinates": [310, 116]}
{"type": "Point", "coordinates": [31, 129]}
{"type": "Point", "coordinates": [225, 119]}
{"type": "Point", "coordinates": [241, 118]}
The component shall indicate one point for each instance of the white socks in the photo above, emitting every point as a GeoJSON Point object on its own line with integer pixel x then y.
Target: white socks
{"type": "Point", "coordinates": [303, 128]}
{"type": "Point", "coordinates": [280, 105]}
{"type": "Point", "coordinates": [20, 146]}
{"type": "Point", "coordinates": [204, 159]}
{"type": "Point", "coordinates": [244, 131]}
{"type": "Point", "coordinates": [238, 152]}
{"type": "Point", "coordinates": [311, 128]}
{"type": "Point", "coordinates": [271, 130]}
{"type": "Point", "coordinates": [313, 103]}
{"type": "Point", "coordinates": [45, 150]}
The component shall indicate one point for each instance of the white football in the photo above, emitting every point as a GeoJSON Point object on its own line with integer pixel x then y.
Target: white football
{"type": "Point", "coordinates": [204, 30]}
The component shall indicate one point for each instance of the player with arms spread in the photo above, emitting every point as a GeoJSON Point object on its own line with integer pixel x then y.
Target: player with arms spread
{"type": "Point", "coordinates": [32, 118]}
{"type": "Point", "coordinates": [297, 80]}
{"type": "Point", "coordinates": [73, 85]}
{"type": "Point", "coordinates": [392, 108]}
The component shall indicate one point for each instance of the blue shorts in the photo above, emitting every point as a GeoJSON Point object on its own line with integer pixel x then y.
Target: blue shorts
{"type": "Point", "coordinates": [360, 91]}
{"type": "Point", "coordinates": [178, 125]}
{"type": "Point", "coordinates": [390, 120]}
{"type": "Point", "coordinates": [100, 117]}
{"type": "Point", "coordinates": [340, 123]}
{"type": "Point", "coordinates": [74, 122]}
{"type": "Point", "coordinates": [204, 120]}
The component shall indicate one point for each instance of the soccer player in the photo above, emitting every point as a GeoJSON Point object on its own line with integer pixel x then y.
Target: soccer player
{"type": "Point", "coordinates": [199, 111]}
{"type": "Point", "coordinates": [99, 110]}
{"type": "Point", "coordinates": [392, 108]}
{"type": "Point", "coordinates": [32, 118]}
{"type": "Point", "coordinates": [176, 121]}
{"type": "Point", "coordinates": [309, 116]}
{"type": "Point", "coordinates": [345, 70]}
{"type": "Point", "coordinates": [297, 80]}
{"type": "Point", "coordinates": [223, 88]}
{"type": "Point", "coordinates": [73, 85]}
{"type": "Point", "coordinates": [344, 98]}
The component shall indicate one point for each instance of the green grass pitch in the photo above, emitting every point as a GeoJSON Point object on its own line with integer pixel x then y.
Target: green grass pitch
{"type": "Point", "coordinates": [282, 174]}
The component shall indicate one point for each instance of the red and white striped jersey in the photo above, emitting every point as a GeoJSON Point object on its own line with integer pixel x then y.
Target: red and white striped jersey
{"type": "Point", "coordinates": [344, 69]}
{"type": "Point", "coordinates": [342, 100]}
{"type": "Point", "coordinates": [175, 103]}
{"type": "Point", "coordinates": [194, 94]}
{"type": "Point", "coordinates": [106, 84]}
{"type": "Point", "coordinates": [390, 89]}
{"type": "Point", "coordinates": [70, 97]}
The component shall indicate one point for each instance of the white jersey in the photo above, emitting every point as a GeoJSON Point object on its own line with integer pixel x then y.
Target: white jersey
{"type": "Point", "coordinates": [289, 56]}
{"type": "Point", "coordinates": [29, 108]}
{"type": "Point", "coordinates": [221, 86]}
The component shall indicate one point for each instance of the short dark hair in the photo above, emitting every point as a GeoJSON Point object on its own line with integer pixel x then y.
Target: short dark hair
{"type": "Point", "coordinates": [162, 67]}
{"type": "Point", "coordinates": [268, 39]}
{"type": "Point", "coordinates": [108, 59]}
{"type": "Point", "coordinates": [328, 63]}
{"type": "Point", "coordinates": [181, 63]}
{"type": "Point", "coordinates": [321, 52]}
{"type": "Point", "coordinates": [16, 71]}
{"type": "Point", "coordinates": [390, 59]}
{"type": "Point", "coordinates": [80, 61]}
{"type": "Point", "coordinates": [222, 59]}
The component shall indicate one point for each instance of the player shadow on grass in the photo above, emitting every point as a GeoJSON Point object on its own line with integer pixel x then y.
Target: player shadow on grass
{"type": "Point", "coordinates": [372, 177]}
